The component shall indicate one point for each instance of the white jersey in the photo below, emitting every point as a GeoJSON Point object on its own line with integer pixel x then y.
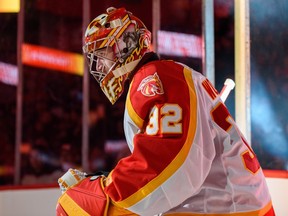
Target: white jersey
{"type": "Point", "coordinates": [188, 156]}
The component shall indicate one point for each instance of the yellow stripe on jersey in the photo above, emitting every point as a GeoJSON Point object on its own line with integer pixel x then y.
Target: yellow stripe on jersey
{"type": "Point", "coordinates": [133, 115]}
{"type": "Point", "coordinates": [71, 207]}
{"type": "Point", "coordinates": [178, 160]}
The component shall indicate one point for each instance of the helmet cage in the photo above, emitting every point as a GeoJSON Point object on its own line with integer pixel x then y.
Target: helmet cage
{"type": "Point", "coordinates": [103, 60]}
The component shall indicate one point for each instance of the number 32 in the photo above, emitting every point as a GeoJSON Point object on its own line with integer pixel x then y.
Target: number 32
{"type": "Point", "coordinates": [165, 120]}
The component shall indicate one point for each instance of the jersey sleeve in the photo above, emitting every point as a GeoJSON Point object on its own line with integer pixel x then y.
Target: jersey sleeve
{"type": "Point", "coordinates": [160, 122]}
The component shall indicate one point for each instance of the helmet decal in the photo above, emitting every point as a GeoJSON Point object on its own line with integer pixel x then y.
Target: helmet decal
{"type": "Point", "coordinates": [116, 32]}
{"type": "Point", "coordinates": [151, 85]}
{"type": "Point", "coordinates": [95, 25]}
{"type": "Point", "coordinates": [113, 88]}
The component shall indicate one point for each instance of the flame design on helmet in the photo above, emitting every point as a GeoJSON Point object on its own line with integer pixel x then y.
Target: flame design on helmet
{"type": "Point", "coordinates": [114, 43]}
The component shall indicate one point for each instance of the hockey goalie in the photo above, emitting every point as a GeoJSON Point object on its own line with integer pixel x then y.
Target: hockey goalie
{"type": "Point", "coordinates": [188, 156]}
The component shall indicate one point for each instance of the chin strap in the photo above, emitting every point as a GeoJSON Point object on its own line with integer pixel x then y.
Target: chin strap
{"type": "Point", "coordinates": [126, 68]}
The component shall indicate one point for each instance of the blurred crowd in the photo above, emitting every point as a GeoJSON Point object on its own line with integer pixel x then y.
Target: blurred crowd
{"type": "Point", "coordinates": [52, 129]}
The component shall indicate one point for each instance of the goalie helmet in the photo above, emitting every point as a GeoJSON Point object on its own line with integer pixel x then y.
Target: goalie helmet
{"type": "Point", "coordinates": [114, 44]}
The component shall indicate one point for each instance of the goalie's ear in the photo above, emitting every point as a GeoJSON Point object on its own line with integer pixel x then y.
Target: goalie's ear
{"type": "Point", "coordinates": [85, 198]}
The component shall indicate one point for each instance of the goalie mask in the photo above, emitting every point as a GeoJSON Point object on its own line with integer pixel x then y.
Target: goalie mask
{"type": "Point", "coordinates": [114, 44]}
